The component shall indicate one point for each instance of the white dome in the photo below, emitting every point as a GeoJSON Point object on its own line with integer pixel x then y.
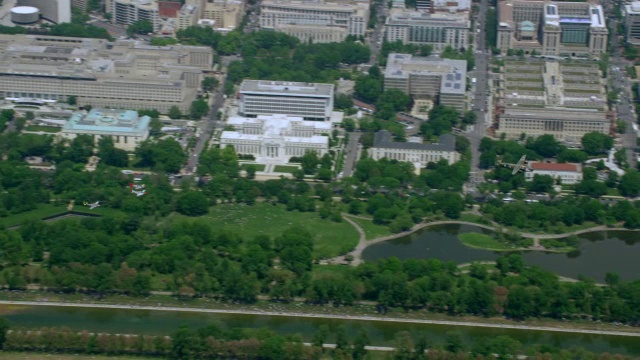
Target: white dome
{"type": "Point", "coordinates": [25, 10]}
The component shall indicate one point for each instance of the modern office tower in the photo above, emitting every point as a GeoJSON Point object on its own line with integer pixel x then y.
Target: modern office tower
{"type": "Point", "coordinates": [317, 21]}
{"type": "Point", "coordinates": [56, 11]}
{"type": "Point", "coordinates": [438, 30]}
{"type": "Point", "coordinates": [124, 74]}
{"type": "Point", "coordinates": [632, 23]}
{"type": "Point", "coordinates": [127, 12]}
{"type": "Point", "coordinates": [276, 138]}
{"type": "Point", "coordinates": [80, 4]}
{"type": "Point", "coordinates": [441, 80]}
{"type": "Point", "coordinates": [311, 101]}
{"type": "Point", "coordinates": [565, 100]}
{"type": "Point", "coordinates": [417, 153]}
{"type": "Point", "coordinates": [125, 127]}
{"type": "Point", "coordinates": [552, 28]}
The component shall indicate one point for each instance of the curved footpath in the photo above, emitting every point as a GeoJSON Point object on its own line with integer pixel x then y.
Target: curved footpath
{"type": "Point", "coordinates": [363, 243]}
{"type": "Point", "coordinates": [325, 316]}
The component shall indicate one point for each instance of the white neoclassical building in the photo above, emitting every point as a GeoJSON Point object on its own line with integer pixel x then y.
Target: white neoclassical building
{"type": "Point", "coordinates": [568, 173]}
{"type": "Point", "coordinates": [417, 153]}
{"type": "Point", "coordinates": [276, 138]}
{"type": "Point", "coordinates": [125, 127]}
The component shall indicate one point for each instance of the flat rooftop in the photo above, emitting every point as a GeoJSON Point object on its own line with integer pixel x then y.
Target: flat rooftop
{"type": "Point", "coordinates": [384, 140]}
{"type": "Point", "coordinates": [285, 88]}
{"type": "Point", "coordinates": [91, 59]}
{"type": "Point", "coordinates": [453, 72]}
{"type": "Point", "coordinates": [126, 122]}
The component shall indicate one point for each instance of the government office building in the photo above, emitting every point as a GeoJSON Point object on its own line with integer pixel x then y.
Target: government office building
{"type": "Point", "coordinates": [276, 138]}
{"type": "Point", "coordinates": [417, 153]}
{"type": "Point", "coordinates": [552, 28]}
{"type": "Point", "coordinates": [124, 74]}
{"type": "Point", "coordinates": [310, 101]}
{"type": "Point", "coordinates": [317, 21]}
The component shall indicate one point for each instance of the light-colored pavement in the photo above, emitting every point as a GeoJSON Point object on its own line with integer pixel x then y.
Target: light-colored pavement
{"type": "Point", "coordinates": [567, 329]}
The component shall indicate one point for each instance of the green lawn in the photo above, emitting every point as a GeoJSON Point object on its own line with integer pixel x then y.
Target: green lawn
{"type": "Point", "coordinates": [49, 129]}
{"type": "Point", "coordinates": [482, 241]}
{"type": "Point", "coordinates": [341, 270]}
{"type": "Point", "coordinates": [473, 218]}
{"type": "Point", "coordinates": [330, 238]}
{"type": "Point", "coordinates": [259, 167]}
{"type": "Point", "coordinates": [285, 168]}
{"type": "Point", "coordinates": [371, 230]}
{"type": "Point", "coordinates": [46, 210]}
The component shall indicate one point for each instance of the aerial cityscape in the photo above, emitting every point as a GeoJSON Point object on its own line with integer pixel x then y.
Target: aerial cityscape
{"type": "Point", "coordinates": [319, 179]}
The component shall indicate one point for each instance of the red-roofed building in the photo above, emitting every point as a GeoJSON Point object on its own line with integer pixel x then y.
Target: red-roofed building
{"type": "Point", "coordinates": [169, 9]}
{"type": "Point", "coordinates": [568, 173]}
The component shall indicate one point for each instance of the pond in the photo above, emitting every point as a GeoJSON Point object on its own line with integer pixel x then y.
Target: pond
{"type": "Point", "coordinates": [598, 252]}
{"type": "Point", "coordinates": [130, 321]}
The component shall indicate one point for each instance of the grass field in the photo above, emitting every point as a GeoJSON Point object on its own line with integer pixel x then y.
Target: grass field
{"type": "Point", "coordinates": [259, 167]}
{"type": "Point", "coordinates": [330, 238]}
{"type": "Point", "coordinates": [285, 168]}
{"type": "Point", "coordinates": [371, 230]}
{"type": "Point", "coordinates": [482, 241]}
{"type": "Point", "coordinates": [46, 210]}
{"type": "Point", "coordinates": [49, 129]}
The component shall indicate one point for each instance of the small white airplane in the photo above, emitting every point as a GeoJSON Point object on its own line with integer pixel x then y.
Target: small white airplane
{"type": "Point", "coordinates": [139, 193]}
{"type": "Point", "coordinates": [92, 205]}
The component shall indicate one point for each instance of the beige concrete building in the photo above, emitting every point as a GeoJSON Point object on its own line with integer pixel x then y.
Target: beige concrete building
{"type": "Point", "coordinates": [565, 100]}
{"type": "Point", "coordinates": [56, 11]}
{"type": "Point", "coordinates": [124, 74]}
{"type": "Point", "coordinates": [417, 153]}
{"type": "Point", "coordinates": [632, 22]}
{"type": "Point", "coordinates": [227, 14]}
{"type": "Point", "coordinates": [125, 127]}
{"type": "Point", "coordinates": [552, 28]}
{"type": "Point", "coordinates": [80, 4]}
{"type": "Point", "coordinates": [311, 101]}
{"type": "Point", "coordinates": [438, 30]}
{"type": "Point", "coordinates": [443, 80]}
{"type": "Point", "coordinates": [317, 21]}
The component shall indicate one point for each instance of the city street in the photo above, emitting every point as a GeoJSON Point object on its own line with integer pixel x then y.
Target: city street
{"type": "Point", "coordinates": [351, 152]}
{"type": "Point", "coordinates": [480, 102]}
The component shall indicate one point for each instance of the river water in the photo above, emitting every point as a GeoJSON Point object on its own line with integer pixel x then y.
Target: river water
{"type": "Point", "coordinates": [380, 333]}
{"type": "Point", "coordinates": [599, 252]}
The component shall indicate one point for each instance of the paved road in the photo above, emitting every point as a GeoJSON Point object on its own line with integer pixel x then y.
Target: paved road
{"type": "Point", "coordinates": [327, 316]}
{"type": "Point", "coordinates": [376, 39]}
{"type": "Point", "coordinates": [206, 132]}
{"type": "Point", "coordinates": [352, 153]}
{"type": "Point", "coordinates": [618, 79]}
{"type": "Point", "coordinates": [480, 102]}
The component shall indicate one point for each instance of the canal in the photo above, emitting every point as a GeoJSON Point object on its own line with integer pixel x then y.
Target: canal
{"type": "Point", "coordinates": [381, 333]}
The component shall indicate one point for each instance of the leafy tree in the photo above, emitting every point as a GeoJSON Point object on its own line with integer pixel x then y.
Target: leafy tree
{"type": "Point", "coordinates": [368, 88]}
{"type": "Point", "coordinates": [175, 113]}
{"type": "Point", "coordinates": [595, 143]}
{"type": "Point", "coordinates": [164, 154]}
{"type": "Point", "coordinates": [540, 184]}
{"type": "Point", "coordinates": [199, 108]}
{"type": "Point", "coordinates": [209, 83]}
{"type": "Point", "coordinates": [349, 124]}
{"type": "Point", "coordinates": [192, 203]}
{"type": "Point", "coordinates": [4, 328]}
{"type": "Point", "coordinates": [343, 101]}
{"type": "Point", "coordinates": [545, 145]}
{"type": "Point", "coordinates": [140, 27]}
{"type": "Point", "coordinates": [630, 183]}
{"type": "Point", "coordinates": [72, 100]}
{"type": "Point", "coordinates": [110, 155]}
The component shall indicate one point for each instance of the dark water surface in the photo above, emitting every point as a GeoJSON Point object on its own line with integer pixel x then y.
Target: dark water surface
{"type": "Point", "coordinates": [599, 252]}
{"type": "Point", "coordinates": [380, 333]}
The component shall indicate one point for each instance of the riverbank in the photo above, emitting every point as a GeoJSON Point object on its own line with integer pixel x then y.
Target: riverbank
{"type": "Point", "coordinates": [363, 311]}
